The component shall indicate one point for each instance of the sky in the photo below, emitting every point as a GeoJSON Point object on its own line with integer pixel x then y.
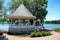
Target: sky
{"type": "Point", "coordinates": [53, 9]}
{"type": "Point", "coordinates": [6, 2]}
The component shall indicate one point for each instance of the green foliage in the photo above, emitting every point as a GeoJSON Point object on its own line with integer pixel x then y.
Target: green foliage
{"type": "Point", "coordinates": [57, 29]}
{"type": "Point", "coordinates": [46, 33]}
{"type": "Point", "coordinates": [40, 34]}
{"type": "Point", "coordinates": [53, 22]}
{"type": "Point", "coordinates": [3, 12]}
{"type": "Point", "coordinates": [1, 4]}
{"type": "Point", "coordinates": [33, 34]}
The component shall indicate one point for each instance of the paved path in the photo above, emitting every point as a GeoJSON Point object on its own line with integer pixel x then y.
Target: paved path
{"type": "Point", "coordinates": [55, 36]}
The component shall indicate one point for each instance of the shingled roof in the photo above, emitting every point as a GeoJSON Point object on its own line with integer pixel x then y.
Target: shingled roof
{"type": "Point", "coordinates": [22, 13]}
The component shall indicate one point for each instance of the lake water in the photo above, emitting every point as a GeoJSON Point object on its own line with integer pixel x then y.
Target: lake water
{"type": "Point", "coordinates": [47, 26]}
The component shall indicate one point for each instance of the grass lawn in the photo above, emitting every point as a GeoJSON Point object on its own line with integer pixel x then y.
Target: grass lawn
{"type": "Point", "coordinates": [57, 29]}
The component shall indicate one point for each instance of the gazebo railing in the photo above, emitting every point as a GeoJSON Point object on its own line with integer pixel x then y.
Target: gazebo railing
{"type": "Point", "coordinates": [22, 28]}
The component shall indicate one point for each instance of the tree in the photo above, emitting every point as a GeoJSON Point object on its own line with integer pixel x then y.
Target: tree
{"type": "Point", "coordinates": [3, 11]}
{"type": "Point", "coordinates": [4, 14]}
{"type": "Point", "coordinates": [1, 6]}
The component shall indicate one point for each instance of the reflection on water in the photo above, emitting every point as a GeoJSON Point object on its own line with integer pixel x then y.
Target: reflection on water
{"type": "Point", "coordinates": [6, 26]}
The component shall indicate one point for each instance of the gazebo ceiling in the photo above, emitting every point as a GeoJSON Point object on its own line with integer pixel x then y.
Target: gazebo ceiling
{"type": "Point", "coordinates": [22, 13]}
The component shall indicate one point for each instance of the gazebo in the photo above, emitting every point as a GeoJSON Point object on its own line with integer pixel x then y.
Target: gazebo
{"type": "Point", "coordinates": [21, 20]}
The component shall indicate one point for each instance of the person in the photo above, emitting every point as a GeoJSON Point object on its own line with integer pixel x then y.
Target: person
{"type": "Point", "coordinates": [31, 22]}
{"type": "Point", "coordinates": [37, 23]}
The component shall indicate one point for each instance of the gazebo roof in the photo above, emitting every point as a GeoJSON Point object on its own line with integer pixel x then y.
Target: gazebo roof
{"type": "Point", "coordinates": [22, 13]}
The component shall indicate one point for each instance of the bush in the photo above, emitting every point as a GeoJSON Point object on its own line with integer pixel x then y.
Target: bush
{"type": "Point", "coordinates": [33, 34]}
{"type": "Point", "coordinates": [40, 34]}
{"type": "Point", "coordinates": [9, 33]}
{"type": "Point", "coordinates": [46, 33]}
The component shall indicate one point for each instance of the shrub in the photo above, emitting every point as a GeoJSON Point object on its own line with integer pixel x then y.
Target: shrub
{"type": "Point", "coordinates": [9, 33]}
{"type": "Point", "coordinates": [33, 34]}
{"type": "Point", "coordinates": [44, 33]}
{"type": "Point", "coordinates": [48, 33]}
{"type": "Point", "coordinates": [38, 34]}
